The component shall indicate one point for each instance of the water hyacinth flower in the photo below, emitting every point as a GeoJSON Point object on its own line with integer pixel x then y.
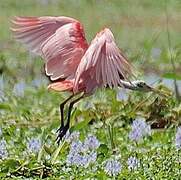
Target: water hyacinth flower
{"type": "Point", "coordinates": [70, 137]}
{"type": "Point", "coordinates": [92, 157]}
{"type": "Point", "coordinates": [112, 167]}
{"type": "Point", "coordinates": [47, 2]}
{"type": "Point", "coordinates": [34, 145]}
{"type": "Point", "coordinates": [1, 83]}
{"type": "Point", "coordinates": [91, 142]}
{"type": "Point", "coordinates": [155, 53]}
{"type": "Point", "coordinates": [1, 96]}
{"type": "Point", "coordinates": [84, 106]}
{"type": "Point", "coordinates": [83, 161]}
{"type": "Point", "coordinates": [38, 82]}
{"type": "Point", "coordinates": [79, 159]}
{"type": "Point", "coordinates": [142, 125]}
{"type": "Point", "coordinates": [139, 130]}
{"type": "Point", "coordinates": [1, 89]}
{"type": "Point", "coordinates": [133, 163]}
{"type": "Point", "coordinates": [19, 89]}
{"type": "Point", "coordinates": [72, 158]}
{"type": "Point", "coordinates": [82, 153]}
{"type": "Point", "coordinates": [3, 149]}
{"type": "Point", "coordinates": [122, 94]}
{"type": "Point", "coordinates": [178, 138]}
{"type": "Point", "coordinates": [76, 146]}
{"type": "Point", "coordinates": [135, 135]}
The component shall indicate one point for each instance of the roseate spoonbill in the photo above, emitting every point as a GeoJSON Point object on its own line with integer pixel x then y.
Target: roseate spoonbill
{"type": "Point", "coordinates": [74, 65]}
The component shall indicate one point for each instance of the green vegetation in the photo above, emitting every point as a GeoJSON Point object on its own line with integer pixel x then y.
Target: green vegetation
{"type": "Point", "coordinates": [29, 113]}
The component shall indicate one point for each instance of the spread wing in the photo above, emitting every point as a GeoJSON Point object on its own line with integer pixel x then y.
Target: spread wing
{"type": "Point", "coordinates": [103, 62]}
{"type": "Point", "coordinates": [59, 40]}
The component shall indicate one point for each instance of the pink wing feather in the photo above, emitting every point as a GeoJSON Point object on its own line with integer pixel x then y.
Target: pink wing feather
{"type": "Point", "coordinates": [103, 64]}
{"type": "Point", "coordinates": [59, 40]}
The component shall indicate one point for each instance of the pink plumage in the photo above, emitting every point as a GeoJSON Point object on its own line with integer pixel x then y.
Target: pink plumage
{"type": "Point", "coordinates": [61, 42]}
{"type": "Point", "coordinates": [102, 64]}
{"type": "Point", "coordinates": [70, 62]}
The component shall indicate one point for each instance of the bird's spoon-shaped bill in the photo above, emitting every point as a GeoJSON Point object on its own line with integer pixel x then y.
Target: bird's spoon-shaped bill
{"type": "Point", "coordinates": [160, 92]}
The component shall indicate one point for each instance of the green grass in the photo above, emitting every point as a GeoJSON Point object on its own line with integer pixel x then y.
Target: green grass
{"type": "Point", "coordinates": [138, 27]}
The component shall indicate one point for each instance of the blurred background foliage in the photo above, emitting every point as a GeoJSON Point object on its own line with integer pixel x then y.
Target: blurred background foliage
{"type": "Point", "coordinates": [139, 27]}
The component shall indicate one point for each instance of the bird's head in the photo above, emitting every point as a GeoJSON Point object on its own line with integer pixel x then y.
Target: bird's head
{"type": "Point", "coordinates": [142, 86]}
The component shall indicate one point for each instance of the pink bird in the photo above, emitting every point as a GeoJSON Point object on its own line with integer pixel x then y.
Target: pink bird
{"type": "Point", "coordinates": [75, 65]}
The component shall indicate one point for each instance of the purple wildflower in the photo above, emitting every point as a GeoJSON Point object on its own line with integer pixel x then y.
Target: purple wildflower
{"type": "Point", "coordinates": [70, 137]}
{"type": "Point", "coordinates": [1, 96]}
{"type": "Point", "coordinates": [47, 2]}
{"type": "Point", "coordinates": [133, 163]}
{"type": "Point", "coordinates": [82, 154]}
{"type": "Point", "coordinates": [83, 161]}
{"type": "Point", "coordinates": [135, 135]}
{"type": "Point", "coordinates": [92, 156]}
{"type": "Point", "coordinates": [139, 129]}
{"type": "Point", "coordinates": [38, 82]}
{"type": "Point", "coordinates": [178, 138]}
{"type": "Point", "coordinates": [142, 125]}
{"type": "Point", "coordinates": [75, 158]}
{"type": "Point", "coordinates": [1, 83]}
{"type": "Point", "coordinates": [71, 158]}
{"type": "Point", "coordinates": [19, 88]}
{"type": "Point", "coordinates": [112, 167]}
{"type": "Point", "coordinates": [91, 142]}
{"type": "Point", "coordinates": [76, 146]}
{"type": "Point", "coordinates": [122, 94]}
{"type": "Point", "coordinates": [3, 149]}
{"type": "Point", "coordinates": [1, 89]}
{"type": "Point", "coordinates": [34, 145]}
{"type": "Point", "coordinates": [155, 53]}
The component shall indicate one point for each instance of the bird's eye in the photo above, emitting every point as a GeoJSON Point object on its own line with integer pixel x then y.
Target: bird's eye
{"type": "Point", "coordinates": [141, 84]}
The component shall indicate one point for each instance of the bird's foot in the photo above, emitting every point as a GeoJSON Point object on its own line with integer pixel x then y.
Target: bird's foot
{"type": "Point", "coordinates": [61, 133]}
{"type": "Point", "coordinates": [60, 128]}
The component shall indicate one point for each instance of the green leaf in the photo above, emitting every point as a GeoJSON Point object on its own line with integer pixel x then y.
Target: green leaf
{"type": "Point", "coordinates": [56, 152]}
{"type": "Point", "coordinates": [103, 149]}
{"type": "Point", "coordinates": [40, 154]}
{"type": "Point", "coordinates": [5, 106]}
{"type": "Point", "coordinates": [48, 149]}
{"type": "Point", "coordinates": [80, 125]}
{"type": "Point", "coordinates": [172, 76]}
{"type": "Point", "coordinates": [12, 163]}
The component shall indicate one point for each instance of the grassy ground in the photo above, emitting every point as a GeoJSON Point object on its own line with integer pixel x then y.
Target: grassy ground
{"type": "Point", "coordinates": [28, 111]}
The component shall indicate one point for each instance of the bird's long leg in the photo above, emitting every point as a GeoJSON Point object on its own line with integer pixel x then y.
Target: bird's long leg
{"type": "Point", "coordinates": [66, 127]}
{"type": "Point", "coordinates": [70, 109]}
{"type": "Point", "coordinates": [62, 109]}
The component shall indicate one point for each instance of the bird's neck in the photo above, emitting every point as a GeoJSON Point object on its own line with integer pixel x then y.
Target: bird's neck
{"type": "Point", "coordinates": [128, 85]}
